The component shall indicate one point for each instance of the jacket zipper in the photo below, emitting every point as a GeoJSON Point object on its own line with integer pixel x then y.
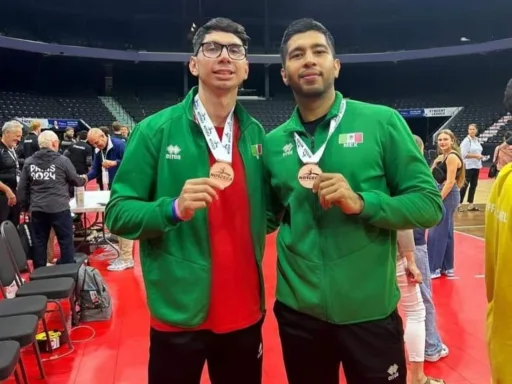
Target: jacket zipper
{"type": "Point", "coordinates": [242, 140]}
{"type": "Point", "coordinates": [318, 220]}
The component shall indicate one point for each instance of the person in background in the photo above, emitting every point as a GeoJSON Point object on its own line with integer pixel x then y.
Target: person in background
{"type": "Point", "coordinates": [117, 129]}
{"type": "Point", "coordinates": [68, 140]}
{"type": "Point", "coordinates": [197, 205]}
{"type": "Point", "coordinates": [471, 151]}
{"type": "Point", "coordinates": [503, 152]}
{"type": "Point", "coordinates": [9, 172]}
{"type": "Point", "coordinates": [409, 280]}
{"type": "Point", "coordinates": [498, 270]}
{"type": "Point", "coordinates": [99, 181]}
{"type": "Point", "coordinates": [337, 291]}
{"type": "Point", "coordinates": [29, 145]}
{"type": "Point", "coordinates": [125, 132]}
{"type": "Point", "coordinates": [435, 349]}
{"type": "Point", "coordinates": [80, 154]}
{"type": "Point", "coordinates": [109, 154]}
{"type": "Point", "coordinates": [448, 171]}
{"type": "Point", "coordinates": [44, 192]}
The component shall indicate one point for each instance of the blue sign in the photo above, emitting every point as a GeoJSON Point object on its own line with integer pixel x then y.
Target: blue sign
{"type": "Point", "coordinates": [62, 124]}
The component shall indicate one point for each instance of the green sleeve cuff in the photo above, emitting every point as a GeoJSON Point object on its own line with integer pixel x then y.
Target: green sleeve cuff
{"type": "Point", "coordinates": [371, 205]}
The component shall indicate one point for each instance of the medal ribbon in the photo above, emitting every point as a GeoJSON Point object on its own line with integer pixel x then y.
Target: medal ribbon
{"type": "Point", "coordinates": [221, 150]}
{"type": "Point", "coordinates": [305, 153]}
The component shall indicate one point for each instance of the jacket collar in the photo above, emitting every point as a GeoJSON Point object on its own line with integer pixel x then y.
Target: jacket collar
{"type": "Point", "coordinates": [294, 123]}
{"type": "Point", "coordinates": [244, 119]}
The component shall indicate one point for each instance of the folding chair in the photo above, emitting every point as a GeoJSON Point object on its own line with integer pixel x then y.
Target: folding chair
{"type": "Point", "coordinates": [22, 329]}
{"type": "Point", "coordinates": [53, 289]}
{"type": "Point", "coordinates": [9, 358]}
{"type": "Point", "coordinates": [12, 239]}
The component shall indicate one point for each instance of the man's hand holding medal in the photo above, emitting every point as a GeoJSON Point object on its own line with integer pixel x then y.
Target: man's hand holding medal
{"type": "Point", "coordinates": [333, 189]}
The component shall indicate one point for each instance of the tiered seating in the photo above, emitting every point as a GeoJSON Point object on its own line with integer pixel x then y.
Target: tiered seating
{"type": "Point", "coordinates": [484, 116]}
{"type": "Point", "coordinates": [495, 133]}
{"type": "Point", "coordinates": [86, 107]}
{"type": "Point", "coordinates": [270, 113]}
{"type": "Point", "coordinates": [145, 103]}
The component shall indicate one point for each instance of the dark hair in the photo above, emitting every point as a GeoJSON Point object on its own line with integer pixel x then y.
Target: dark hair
{"type": "Point", "coordinates": [219, 24]}
{"type": "Point", "coordinates": [508, 137]}
{"type": "Point", "coordinates": [303, 26]}
{"type": "Point", "coordinates": [82, 135]}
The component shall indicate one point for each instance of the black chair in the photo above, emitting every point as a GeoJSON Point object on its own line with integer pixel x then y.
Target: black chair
{"type": "Point", "coordinates": [53, 289]}
{"type": "Point", "coordinates": [9, 358]}
{"type": "Point", "coordinates": [22, 329]}
{"type": "Point", "coordinates": [11, 237]}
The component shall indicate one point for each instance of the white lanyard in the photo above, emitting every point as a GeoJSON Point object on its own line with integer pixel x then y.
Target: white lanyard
{"type": "Point", "coordinates": [12, 152]}
{"type": "Point", "coordinates": [305, 153]}
{"type": "Point", "coordinates": [221, 150]}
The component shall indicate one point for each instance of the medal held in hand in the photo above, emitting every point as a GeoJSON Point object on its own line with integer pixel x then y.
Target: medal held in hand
{"type": "Point", "coordinates": [222, 151]}
{"type": "Point", "coordinates": [223, 173]}
{"type": "Point", "coordinates": [310, 170]}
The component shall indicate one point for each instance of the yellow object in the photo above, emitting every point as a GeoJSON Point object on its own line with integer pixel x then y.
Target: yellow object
{"type": "Point", "coordinates": [42, 336]}
{"type": "Point", "coordinates": [498, 276]}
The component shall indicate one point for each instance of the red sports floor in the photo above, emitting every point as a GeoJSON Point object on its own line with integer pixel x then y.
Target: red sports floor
{"type": "Point", "coordinates": [118, 352]}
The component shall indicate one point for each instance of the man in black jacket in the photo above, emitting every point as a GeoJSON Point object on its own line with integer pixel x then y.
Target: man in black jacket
{"type": "Point", "coordinates": [44, 191]}
{"type": "Point", "coordinates": [80, 154]}
{"type": "Point", "coordinates": [9, 172]}
{"type": "Point", "coordinates": [29, 146]}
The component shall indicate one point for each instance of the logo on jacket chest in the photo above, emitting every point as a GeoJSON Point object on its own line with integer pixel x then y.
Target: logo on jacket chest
{"type": "Point", "coordinates": [350, 140]}
{"type": "Point", "coordinates": [173, 152]}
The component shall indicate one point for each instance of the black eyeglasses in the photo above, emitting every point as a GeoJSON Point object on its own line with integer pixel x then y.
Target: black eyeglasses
{"type": "Point", "coordinates": [213, 50]}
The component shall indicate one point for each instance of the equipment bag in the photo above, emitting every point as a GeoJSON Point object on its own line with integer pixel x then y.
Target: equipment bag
{"type": "Point", "coordinates": [93, 296]}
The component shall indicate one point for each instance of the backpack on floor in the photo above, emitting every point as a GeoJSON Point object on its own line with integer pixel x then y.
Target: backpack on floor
{"type": "Point", "coordinates": [93, 296]}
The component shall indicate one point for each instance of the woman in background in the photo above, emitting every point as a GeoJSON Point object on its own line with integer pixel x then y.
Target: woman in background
{"type": "Point", "coordinates": [408, 278]}
{"type": "Point", "coordinates": [503, 152]}
{"type": "Point", "coordinates": [448, 171]}
{"type": "Point", "coordinates": [471, 151]}
{"type": "Point", "coordinates": [435, 349]}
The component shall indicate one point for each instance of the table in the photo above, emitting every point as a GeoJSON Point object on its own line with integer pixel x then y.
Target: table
{"type": "Point", "coordinates": [94, 202]}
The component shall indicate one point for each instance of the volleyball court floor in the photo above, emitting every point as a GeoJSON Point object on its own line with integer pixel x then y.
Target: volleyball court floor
{"type": "Point", "coordinates": [117, 350]}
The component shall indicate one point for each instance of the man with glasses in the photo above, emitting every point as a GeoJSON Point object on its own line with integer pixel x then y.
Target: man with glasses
{"type": "Point", "coordinates": [201, 267]}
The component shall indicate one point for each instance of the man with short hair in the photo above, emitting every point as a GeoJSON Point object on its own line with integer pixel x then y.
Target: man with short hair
{"type": "Point", "coordinates": [44, 192]}
{"type": "Point", "coordinates": [108, 157]}
{"type": "Point", "coordinates": [117, 129]}
{"type": "Point", "coordinates": [201, 267]}
{"type": "Point", "coordinates": [344, 177]}
{"type": "Point", "coordinates": [9, 172]}
{"type": "Point", "coordinates": [29, 145]}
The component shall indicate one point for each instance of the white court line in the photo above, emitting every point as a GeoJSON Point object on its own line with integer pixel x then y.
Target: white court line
{"type": "Point", "coordinates": [469, 226]}
{"type": "Point", "coordinates": [479, 276]}
{"type": "Point", "coordinates": [473, 236]}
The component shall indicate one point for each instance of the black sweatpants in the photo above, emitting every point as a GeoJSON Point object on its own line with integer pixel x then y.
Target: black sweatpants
{"type": "Point", "coordinates": [179, 357]}
{"type": "Point", "coordinates": [9, 213]}
{"type": "Point", "coordinates": [471, 184]}
{"type": "Point", "coordinates": [62, 223]}
{"type": "Point", "coordinates": [372, 352]}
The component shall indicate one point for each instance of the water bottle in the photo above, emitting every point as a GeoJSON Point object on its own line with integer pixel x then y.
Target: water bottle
{"type": "Point", "coordinates": [79, 196]}
{"type": "Point", "coordinates": [104, 179]}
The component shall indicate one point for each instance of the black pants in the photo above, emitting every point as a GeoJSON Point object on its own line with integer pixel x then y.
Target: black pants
{"type": "Point", "coordinates": [372, 352]}
{"type": "Point", "coordinates": [472, 182]}
{"type": "Point", "coordinates": [9, 213]}
{"type": "Point", "coordinates": [62, 223]}
{"type": "Point", "coordinates": [179, 357]}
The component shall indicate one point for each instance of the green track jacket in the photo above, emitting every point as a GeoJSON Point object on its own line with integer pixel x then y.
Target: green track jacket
{"type": "Point", "coordinates": [163, 152]}
{"type": "Point", "coordinates": [332, 266]}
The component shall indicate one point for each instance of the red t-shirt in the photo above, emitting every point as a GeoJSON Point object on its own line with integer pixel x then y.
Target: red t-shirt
{"type": "Point", "coordinates": [235, 285]}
